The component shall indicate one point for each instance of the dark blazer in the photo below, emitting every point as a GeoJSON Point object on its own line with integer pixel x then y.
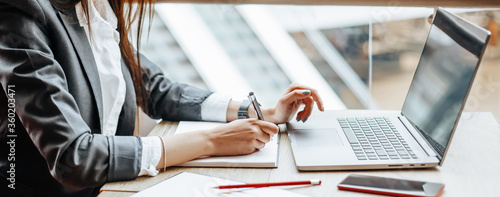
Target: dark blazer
{"type": "Point", "coordinates": [54, 118]}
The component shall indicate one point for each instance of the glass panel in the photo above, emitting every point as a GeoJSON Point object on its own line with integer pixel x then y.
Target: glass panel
{"type": "Point", "coordinates": [327, 72]}
{"type": "Point", "coordinates": [246, 51]}
{"type": "Point", "coordinates": [162, 49]}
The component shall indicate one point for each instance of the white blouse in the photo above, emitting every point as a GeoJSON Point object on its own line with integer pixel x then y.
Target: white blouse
{"type": "Point", "coordinates": [104, 42]}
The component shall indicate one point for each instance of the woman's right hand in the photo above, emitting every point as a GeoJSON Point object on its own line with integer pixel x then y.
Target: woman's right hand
{"type": "Point", "coordinates": [239, 137]}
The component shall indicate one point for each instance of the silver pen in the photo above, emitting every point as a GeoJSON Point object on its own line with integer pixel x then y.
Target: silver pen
{"type": "Point", "coordinates": [255, 104]}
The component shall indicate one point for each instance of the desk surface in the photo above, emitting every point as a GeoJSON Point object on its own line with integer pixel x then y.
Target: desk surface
{"type": "Point", "coordinates": [470, 169]}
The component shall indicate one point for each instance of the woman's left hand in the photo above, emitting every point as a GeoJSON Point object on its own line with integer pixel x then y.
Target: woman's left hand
{"type": "Point", "coordinates": [289, 103]}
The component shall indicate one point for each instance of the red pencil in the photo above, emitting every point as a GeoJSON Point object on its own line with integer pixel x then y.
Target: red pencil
{"type": "Point", "coordinates": [255, 185]}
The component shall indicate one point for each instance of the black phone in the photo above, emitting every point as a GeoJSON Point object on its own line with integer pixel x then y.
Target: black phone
{"type": "Point", "coordinates": [390, 186]}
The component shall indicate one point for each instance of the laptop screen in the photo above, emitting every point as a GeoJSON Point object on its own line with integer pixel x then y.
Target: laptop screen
{"type": "Point", "coordinates": [443, 78]}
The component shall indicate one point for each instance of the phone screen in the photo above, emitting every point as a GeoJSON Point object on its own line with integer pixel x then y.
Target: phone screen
{"type": "Point", "coordinates": [391, 186]}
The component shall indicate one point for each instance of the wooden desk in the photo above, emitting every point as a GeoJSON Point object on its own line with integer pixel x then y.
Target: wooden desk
{"type": "Point", "coordinates": [471, 167]}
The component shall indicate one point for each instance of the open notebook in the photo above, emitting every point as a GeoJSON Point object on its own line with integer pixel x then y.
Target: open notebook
{"type": "Point", "coordinates": [264, 158]}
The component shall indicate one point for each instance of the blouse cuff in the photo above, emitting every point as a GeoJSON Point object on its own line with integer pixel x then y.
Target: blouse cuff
{"type": "Point", "coordinates": [214, 108]}
{"type": "Point", "coordinates": [151, 153]}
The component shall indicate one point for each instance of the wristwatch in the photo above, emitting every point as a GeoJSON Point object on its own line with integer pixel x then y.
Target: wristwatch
{"type": "Point", "coordinates": [243, 111]}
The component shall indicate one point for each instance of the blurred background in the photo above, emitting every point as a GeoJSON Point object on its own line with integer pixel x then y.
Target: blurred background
{"type": "Point", "coordinates": [356, 57]}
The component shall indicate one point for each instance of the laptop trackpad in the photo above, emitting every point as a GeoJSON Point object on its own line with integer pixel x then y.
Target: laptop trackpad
{"type": "Point", "coordinates": [317, 137]}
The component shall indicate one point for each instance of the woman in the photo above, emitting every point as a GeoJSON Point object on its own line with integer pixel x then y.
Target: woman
{"type": "Point", "coordinates": [72, 85]}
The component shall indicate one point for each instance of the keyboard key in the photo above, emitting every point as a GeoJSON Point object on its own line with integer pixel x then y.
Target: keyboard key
{"type": "Point", "coordinates": [401, 152]}
{"type": "Point", "coordinates": [380, 152]}
{"type": "Point", "coordinates": [405, 157]}
{"type": "Point", "coordinates": [414, 156]}
{"type": "Point", "coordinates": [369, 150]}
{"type": "Point", "coordinates": [371, 155]}
{"type": "Point", "coordinates": [360, 155]}
{"type": "Point", "coordinates": [394, 157]}
{"type": "Point", "coordinates": [362, 158]}
{"type": "Point", "coordinates": [351, 120]}
{"type": "Point", "coordinates": [384, 157]}
{"type": "Point", "coordinates": [350, 135]}
{"type": "Point", "coordinates": [398, 146]}
{"type": "Point", "coordinates": [359, 151]}
{"type": "Point", "coordinates": [372, 158]}
{"type": "Point", "coordinates": [390, 153]}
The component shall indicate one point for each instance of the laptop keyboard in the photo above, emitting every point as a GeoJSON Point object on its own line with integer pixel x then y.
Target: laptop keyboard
{"type": "Point", "coordinates": [375, 138]}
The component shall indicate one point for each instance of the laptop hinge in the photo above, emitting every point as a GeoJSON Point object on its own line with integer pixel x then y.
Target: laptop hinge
{"type": "Point", "coordinates": [418, 141]}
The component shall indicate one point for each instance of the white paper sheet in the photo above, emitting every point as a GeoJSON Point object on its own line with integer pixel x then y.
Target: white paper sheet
{"type": "Point", "coordinates": [266, 157]}
{"type": "Point", "coordinates": [189, 184]}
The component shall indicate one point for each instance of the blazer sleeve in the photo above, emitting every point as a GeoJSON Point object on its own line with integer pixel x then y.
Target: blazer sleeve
{"type": "Point", "coordinates": [75, 157]}
{"type": "Point", "coordinates": [168, 100]}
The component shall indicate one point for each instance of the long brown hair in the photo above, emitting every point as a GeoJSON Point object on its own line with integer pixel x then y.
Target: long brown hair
{"type": "Point", "coordinates": [127, 12]}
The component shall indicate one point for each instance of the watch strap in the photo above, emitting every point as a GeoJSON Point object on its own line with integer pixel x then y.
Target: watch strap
{"type": "Point", "coordinates": [243, 111]}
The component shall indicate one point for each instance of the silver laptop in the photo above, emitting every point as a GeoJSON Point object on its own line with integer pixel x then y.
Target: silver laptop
{"type": "Point", "coordinates": [419, 135]}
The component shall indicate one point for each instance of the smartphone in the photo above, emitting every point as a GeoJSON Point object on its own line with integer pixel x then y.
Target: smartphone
{"type": "Point", "coordinates": [390, 186]}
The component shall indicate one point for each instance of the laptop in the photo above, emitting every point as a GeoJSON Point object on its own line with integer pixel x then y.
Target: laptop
{"type": "Point", "coordinates": [419, 135]}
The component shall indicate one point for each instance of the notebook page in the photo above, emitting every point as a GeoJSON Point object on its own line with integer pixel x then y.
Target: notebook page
{"type": "Point", "coordinates": [266, 157]}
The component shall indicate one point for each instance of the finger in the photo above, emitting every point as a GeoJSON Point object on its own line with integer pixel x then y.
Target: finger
{"type": "Point", "coordinates": [306, 112]}
{"type": "Point", "coordinates": [314, 93]}
{"type": "Point", "coordinates": [264, 137]}
{"type": "Point", "coordinates": [259, 145]}
{"type": "Point", "coordinates": [268, 127]}
{"type": "Point", "coordinates": [295, 95]}
{"type": "Point", "coordinates": [299, 115]}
